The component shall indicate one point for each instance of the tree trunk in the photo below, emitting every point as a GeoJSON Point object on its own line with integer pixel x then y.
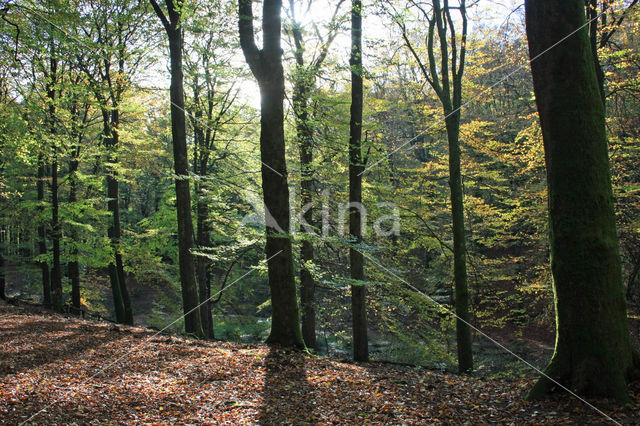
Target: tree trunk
{"type": "Point", "coordinates": [266, 66]}
{"type": "Point", "coordinates": [74, 267]}
{"type": "Point", "coordinates": [200, 166]}
{"type": "Point", "coordinates": [3, 273]}
{"type": "Point", "coordinates": [593, 353]}
{"type": "Point", "coordinates": [56, 279]}
{"type": "Point", "coordinates": [285, 323]}
{"type": "Point", "coordinates": [463, 330]}
{"type": "Point", "coordinates": [193, 324]}
{"type": "Point", "coordinates": [304, 136]}
{"type": "Point", "coordinates": [356, 167]}
{"type": "Point", "coordinates": [307, 283]}
{"type": "Point", "coordinates": [42, 235]}
{"type": "Point", "coordinates": [592, 14]}
{"type": "Point", "coordinates": [116, 272]}
{"type": "Point", "coordinates": [202, 265]}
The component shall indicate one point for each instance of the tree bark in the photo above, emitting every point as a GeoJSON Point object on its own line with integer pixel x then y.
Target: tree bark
{"type": "Point", "coordinates": [593, 353]}
{"type": "Point", "coordinates": [202, 264]}
{"type": "Point", "coordinates": [463, 318]}
{"type": "Point", "coordinates": [190, 299]}
{"type": "Point", "coordinates": [3, 273]}
{"type": "Point", "coordinates": [444, 75]}
{"type": "Point", "coordinates": [74, 267]}
{"type": "Point", "coordinates": [356, 167]}
{"type": "Point", "coordinates": [203, 238]}
{"type": "Point", "coordinates": [122, 304]}
{"type": "Point", "coordinates": [42, 235]}
{"type": "Point", "coordinates": [303, 82]}
{"type": "Point", "coordinates": [266, 66]}
{"type": "Point", "coordinates": [56, 277]}
{"type": "Point", "coordinates": [172, 22]}
{"type": "Point", "coordinates": [307, 283]}
{"type": "Point", "coordinates": [56, 281]}
{"type": "Point", "coordinates": [592, 14]}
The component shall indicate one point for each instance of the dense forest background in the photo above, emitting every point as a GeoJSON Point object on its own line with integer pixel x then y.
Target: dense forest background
{"type": "Point", "coordinates": [86, 134]}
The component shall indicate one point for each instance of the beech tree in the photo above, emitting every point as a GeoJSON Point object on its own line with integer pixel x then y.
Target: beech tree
{"type": "Point", "coordinates": [112, 29]}
{"type": "Point", "coordinates": [443, 70]}
{"type": "Point", "coordinates": [172, 25]}
{"type": "Point", "coordinates": [209, 75]}
{"type": "Point", "coordinates": [593, 353]}
{"type": "Point", "coordinates": [304, 82]}
{"type": "Point", "coordinates": [266, 66]}
{"type": "Point", "coordinates": [356, 168]}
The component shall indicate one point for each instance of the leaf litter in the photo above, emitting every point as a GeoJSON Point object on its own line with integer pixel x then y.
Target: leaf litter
{"type": "Point", "coordinates": [69, 370]}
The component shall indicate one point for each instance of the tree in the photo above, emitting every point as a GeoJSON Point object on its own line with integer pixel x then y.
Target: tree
{"type": "Point", "coordinates": [79, 110]}
{"type": "Point", "coordinates": [3, 274]}
{"type": "Point", "coordinates": [172, 25]}
{"type": "Point", "coordinates": [447, 83]}
{"type": "Point", "coordinates": [266, 66]}
{"type": "Point", "coordinates": [42, 235]}
{"type": "Point", "coordinates": [304, 81]}
{"type": "Point", "coordinates": [209, 75]}
{"type": "Point", "coordinates": [356, 168]}
{"type": "Point", "coordinates": [593, 353]}
{"type": "Point", "coordinates": [52, 76]}
{"type": "Point", "coordinates": [112, 29]}
{"type": "Point", "coordinates": [600, 33]}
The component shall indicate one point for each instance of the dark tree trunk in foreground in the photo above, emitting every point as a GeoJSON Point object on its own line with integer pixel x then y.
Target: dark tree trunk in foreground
{"type": "Point", "coordinates": [42, 235]}
{"type": "Point", "coordinates": [266, 66]}
{"type": "Point", "coordinates": [593, 354]}
{"type": "Point", "coordinates": [356, 167]}
{"type": "Point", "coordinates": [190, 299]}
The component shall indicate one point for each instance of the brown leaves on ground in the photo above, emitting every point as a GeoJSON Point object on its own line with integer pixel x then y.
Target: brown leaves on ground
{"type": "Point", "coordinates": [63, 370]}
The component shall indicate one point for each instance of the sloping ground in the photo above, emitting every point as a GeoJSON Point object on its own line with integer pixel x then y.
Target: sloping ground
{"type": "Point", "coordinates": [55, 369]}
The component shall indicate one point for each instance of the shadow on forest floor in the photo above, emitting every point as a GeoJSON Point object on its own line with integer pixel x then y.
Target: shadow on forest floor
{"type": "Point", "coordinates": [287, 395]}
{"type": "Point", "coordinates": [59, 340]}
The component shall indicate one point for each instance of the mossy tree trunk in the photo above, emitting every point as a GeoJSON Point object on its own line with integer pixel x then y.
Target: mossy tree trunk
{"type": "Point", "coordinates": [593, 352]}
{"type": "Point", "coordinates": [266, 66]}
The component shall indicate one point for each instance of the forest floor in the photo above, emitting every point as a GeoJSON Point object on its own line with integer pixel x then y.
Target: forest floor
{"type": "Point", "coordinates": [57, 369]}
